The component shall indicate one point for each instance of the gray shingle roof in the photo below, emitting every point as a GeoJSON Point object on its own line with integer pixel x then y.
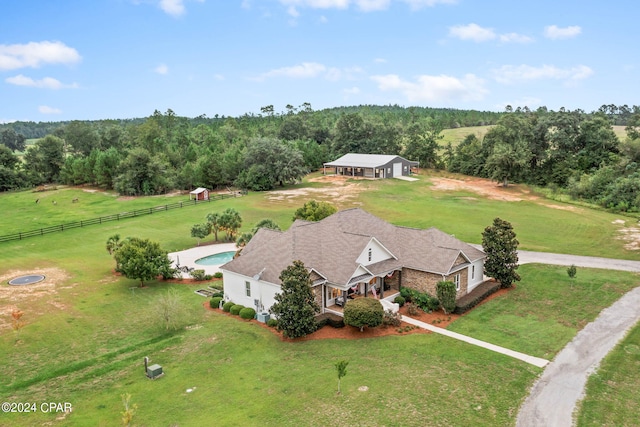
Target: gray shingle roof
{"type": "Point", "coordinates": [332, 246]}
{"type": "Point", "coordinates": [364, 160]}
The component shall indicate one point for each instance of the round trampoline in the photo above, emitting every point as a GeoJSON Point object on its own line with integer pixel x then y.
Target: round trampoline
{"type": "Point", "coordinates": [26, 280]}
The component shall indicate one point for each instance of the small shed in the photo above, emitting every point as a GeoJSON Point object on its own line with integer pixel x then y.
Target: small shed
{"type": "Point", "coordinates": [199, 194]}
{"type": "Point", "coordinates": [371, 165]}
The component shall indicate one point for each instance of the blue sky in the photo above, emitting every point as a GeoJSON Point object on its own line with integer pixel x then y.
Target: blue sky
{"type": "Point", "coordinates": [106, 59]}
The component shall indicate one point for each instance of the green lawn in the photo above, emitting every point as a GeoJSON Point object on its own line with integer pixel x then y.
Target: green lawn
{"type": "Point", "coordinates": [85, 338]}
{"type": "Point", "coordinates": [546, 309]}
{"type": "Point", "coordinates": [612, 392]}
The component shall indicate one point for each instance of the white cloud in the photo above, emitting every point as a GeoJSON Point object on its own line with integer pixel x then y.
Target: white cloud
{"type": "Point", "coordinates": [161, 69]}
{"type": "Point", "coordinates": [440, 88]}
{"type": "Point", "coordinates": [302, 71]}
{"type": "Point", "coordinates": [44, 109]}
{"type": "Point", "coordinates": [45, 83]}
{"type": "Point", "coordinates": [351, 91]}
{"type": "Point", "coordinates": [36, 54]}
{"type": "Point", "coordinates": [517, 73]}
{"type": "Point", "coordinates": [380, 61]}
{"type": "Point", "coordinates": [173, 7]}
{"type": "Point", "coordinates": [515, 38]}
{"type": "Point", "coordinates": [177, 7]}
{"type": "Point", "coordinates": [554, 32]}
{"type": "Point", "coordinates": [363, 5]}
{"type": "Point", "coordinates": [472, 32]}
{"type": "Point", "coordinates": [419, 4]}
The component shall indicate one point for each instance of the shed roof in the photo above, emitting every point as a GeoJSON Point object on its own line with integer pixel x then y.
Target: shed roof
{"type": "Point", "coordinates": [367, 160]}
{"type": "Point", "coordinates": [198, 190]}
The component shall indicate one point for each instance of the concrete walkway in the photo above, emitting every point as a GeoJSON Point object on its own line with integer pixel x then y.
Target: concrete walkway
{"type": "Point", "coordinates": [536, 361]}
{"type": "Point", "coordinates": [554, 396]}
{"type": "Point", "coordinates": [188, 257]}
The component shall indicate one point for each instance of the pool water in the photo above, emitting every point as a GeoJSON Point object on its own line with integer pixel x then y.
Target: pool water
{"type": "Point", "coordinates": [216, 259]}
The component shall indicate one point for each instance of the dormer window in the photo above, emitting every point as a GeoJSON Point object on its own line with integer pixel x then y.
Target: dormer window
{"type": "Point", "coordinates": [369, 254]}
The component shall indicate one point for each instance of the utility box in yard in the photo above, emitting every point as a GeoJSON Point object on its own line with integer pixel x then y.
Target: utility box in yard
{"type": "Point", "coordinates": [154, 371]}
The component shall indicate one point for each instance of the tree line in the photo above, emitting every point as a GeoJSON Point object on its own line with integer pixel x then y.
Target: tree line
{"type": "Point", "coordinates": [571, 150]}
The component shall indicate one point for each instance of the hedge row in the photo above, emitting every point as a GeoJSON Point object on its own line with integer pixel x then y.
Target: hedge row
{"type": "Point", "coordinates": [233, 308]}
{"type": "Point", "coordinates": [476, 296]}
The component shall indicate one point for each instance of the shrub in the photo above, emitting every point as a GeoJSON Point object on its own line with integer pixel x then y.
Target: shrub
{"type": "Point", "coordinates": [447, 295]}
{"type": "Point", "coordinates": [208, 277]}
{"type": "Point", "coordinates": [215, 302]}
{"type": "Point", "coordinates": [400, 300]}
{"type": "Point", "coordinates": [469, 301]}
{"type": "Point", "coordinates": [412, 309]}
{"type": "Point", "coordinates": [216, 286]}
{"type": "Point", "coordinates": [218, 294]}
{"type": "Point", "coordinates": [235, 309]}
{"type": "Point", "coordinates": [363, 312]}
{"type": "Point", "coordinates": [330, 319]}
{"type": "Point", "coordinates": [218, 275]}
{"type": "Point", "coordinates": [227, 306]}
{"type": "Point", "coordinates": [247, 313]}
{"type": "Point", "coordinates": [198, 275]}
{"type": "Point", "coordinates": [391, 319]}
{"type": "Point", "coordinates": [406, 293]}
{"type": "Point", "coordinates": [272, 323]}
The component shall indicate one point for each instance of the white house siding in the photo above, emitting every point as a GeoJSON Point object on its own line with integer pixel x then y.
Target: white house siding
{"type": "Point", "coordinates": [235, 290]}
{"type": "Point", "coordinates": [475, 272]}
{"type": "Point", "coordinates": [378, 253]}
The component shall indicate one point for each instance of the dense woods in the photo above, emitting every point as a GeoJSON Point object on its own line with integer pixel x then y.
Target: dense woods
{"type": "Point", "coordinates": [570, 151]}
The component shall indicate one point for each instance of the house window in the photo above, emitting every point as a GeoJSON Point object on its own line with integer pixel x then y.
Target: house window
{"type": "Point", "coordinates": [388, 170]}
{"type": "Point", "coordinates": [405, 168]}
{"type": "Point", "coordinates": [247, 287]}
{"type": "Point", "coordinates": [369, 254]}
{"type": "Point", "coordinates": [473, 271]}
{"type": "Point", "coordinates": [456, 280]}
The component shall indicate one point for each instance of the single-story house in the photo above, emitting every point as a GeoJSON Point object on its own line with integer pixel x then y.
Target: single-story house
{"type": "Point", "coordinates": [371, 165]}
{"type": "Point", "coordinates": [199, 194]}
{"type": "Point", "coordinates": [348, 254]}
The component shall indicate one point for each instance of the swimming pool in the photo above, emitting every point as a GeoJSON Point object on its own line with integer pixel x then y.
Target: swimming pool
{"type": "Point", "coordinates": [216, 259]}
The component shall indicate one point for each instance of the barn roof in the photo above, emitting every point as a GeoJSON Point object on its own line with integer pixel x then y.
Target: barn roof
{"type": "Point", "coordinates": [367, 160]}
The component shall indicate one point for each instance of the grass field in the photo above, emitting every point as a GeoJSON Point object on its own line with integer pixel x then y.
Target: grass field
{"type": "Point", "coordinates": [85, 337]}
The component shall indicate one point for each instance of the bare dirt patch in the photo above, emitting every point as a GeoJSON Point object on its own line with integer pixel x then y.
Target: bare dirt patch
{"type": "Point", "coordinates": [628, 234]}
{"type": "Point", "coordinates": [484, 187]}
{"type": "Point", "coordinates": [17, 297]}
{"type": "Point", "coordinates": [340, 191]}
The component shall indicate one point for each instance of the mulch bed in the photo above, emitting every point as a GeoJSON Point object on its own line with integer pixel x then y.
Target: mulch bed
{"type": "Point", "coordinates": [436, 318]}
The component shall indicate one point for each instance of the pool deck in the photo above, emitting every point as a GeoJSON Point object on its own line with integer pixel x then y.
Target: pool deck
{"type": "Point", "coordinates": [188, 257]}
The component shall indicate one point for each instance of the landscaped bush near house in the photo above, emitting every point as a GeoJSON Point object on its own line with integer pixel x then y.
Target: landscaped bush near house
{"type": "Point", "coordinates": [330, 319]}
{"type": "Point", "coordinates": [400, 300]}
{"type": "Point", "coordinates": [391, 319]}
{"type": "Point", "coordinates": [422, 299]}
{"type": "Point", "coordinates": [198, 275]}
{"type": "Point", "coordinates": [363, 312]}
{"type": "Point", "coordinates": [215, 302]}
{"type": "Point", "coordinates": [218, 275]}
{"type": "Point", "coordinates": [412, 309]}
{"type": "Point", "coordinates": [247, 313]}
{"type": "Point", "coordinates": [235, 310]}
{"type": "Point", "coordinates": [272, 323]}
{"type": "Point", "coordinates": [217, 294]}
{"type": "Point", "coordinates": [469, 301]}
{"type": "Point", "coordinates": [447, 295]}
{"type": "Point", "coordinates": [217, 285]}
{"type": "Point", "coordinates": [227, 306]}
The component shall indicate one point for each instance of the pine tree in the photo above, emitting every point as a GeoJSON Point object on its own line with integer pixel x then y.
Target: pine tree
{"type": "Point", "coordinates": [501, 247]}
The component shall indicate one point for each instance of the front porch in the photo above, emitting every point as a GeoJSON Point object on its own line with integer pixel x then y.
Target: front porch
{"type": "Point", "coordinates": [385, 287]}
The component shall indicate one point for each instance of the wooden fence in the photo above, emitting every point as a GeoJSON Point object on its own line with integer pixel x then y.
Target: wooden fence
{"type": "Point", "coordinates": [115, 217]}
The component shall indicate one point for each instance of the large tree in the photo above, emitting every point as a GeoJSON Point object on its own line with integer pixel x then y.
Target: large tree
{"type": "Point", "coordinates": [45, 159]}
{"type": "Point", "coordinates": [268, 163]}
{"type": "Point", "coordinates": [141, 259]}
{"type": "Point", "coordinates": [295, 306]}
{"type": "Point", "coordinates": [501, 248]}
{"type": "Point", "coordinates": [230, 221]}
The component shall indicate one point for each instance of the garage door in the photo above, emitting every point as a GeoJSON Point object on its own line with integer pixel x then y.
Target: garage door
{"type": "Point", "coordinates": [397, 169]}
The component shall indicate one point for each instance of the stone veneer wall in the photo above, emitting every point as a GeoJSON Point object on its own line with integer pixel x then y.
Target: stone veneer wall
{"type": "Point", "coordinates": [426, 282]}
{"type": "Point", "coordinates": [317, 294]}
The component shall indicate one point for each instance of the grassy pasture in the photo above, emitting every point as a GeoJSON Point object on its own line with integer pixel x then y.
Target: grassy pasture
{"type": "Point", "coordinates": [457, 135]}
{"type": "Point", "coordinates": [85, 339]}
